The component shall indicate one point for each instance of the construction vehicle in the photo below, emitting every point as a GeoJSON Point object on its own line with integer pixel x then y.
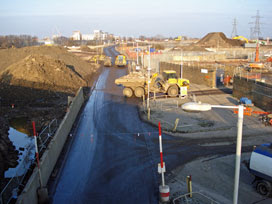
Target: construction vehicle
{"type": "Point", "coordinates": [179, 38]}
{"type": "Point", "coordinates": [120, 61]}
{"type": "Point", "coordinates": [171, 77]}
{"type": "Point", "coordinates": [240, 38]}
{"type": "Point", "coordinates": [107, 62]}
{"type": "Point", "coordinates": [137, 83]}
{"type": "Point", "coordinates": [260, 165]}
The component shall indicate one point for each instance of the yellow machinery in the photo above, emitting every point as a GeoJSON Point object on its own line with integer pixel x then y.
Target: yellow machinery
{"type": "Point", "coordinates": [179, 38]}
{"type": "Point", "coordinates": [120, 61]}
{"type": "Point", "coordinates": [136, 83]}
{"type": "Point", "coordinates": [240, 38]}
{"type": "Point", "coordinates": [171, 77]}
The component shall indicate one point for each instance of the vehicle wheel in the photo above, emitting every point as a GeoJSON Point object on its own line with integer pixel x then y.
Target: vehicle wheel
{"type": "Point", "coordinates": [172, 91]}
{"type": "Point", "coordinates": [139, 92]}
{"type": "Point", "coordinates": [127, 92]}
{"type": "Point", "coordinates": [264, 188]}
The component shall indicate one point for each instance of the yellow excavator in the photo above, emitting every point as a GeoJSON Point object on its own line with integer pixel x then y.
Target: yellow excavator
{"type": "Point", "coordinates": [240, 37]}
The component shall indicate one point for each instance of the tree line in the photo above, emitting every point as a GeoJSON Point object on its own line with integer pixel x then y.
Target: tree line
{"type": "Point", "coordinates": [18, 41]}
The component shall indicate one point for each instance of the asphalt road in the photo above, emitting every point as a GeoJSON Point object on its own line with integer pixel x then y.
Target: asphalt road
{"type": "Point", "coordinates": [114, 155]}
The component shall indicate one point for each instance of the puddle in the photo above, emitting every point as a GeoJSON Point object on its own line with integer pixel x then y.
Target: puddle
{"type": "Point", "coordinates": [20, 124]}
{"type": "Point", "coordinates": [25, 145]}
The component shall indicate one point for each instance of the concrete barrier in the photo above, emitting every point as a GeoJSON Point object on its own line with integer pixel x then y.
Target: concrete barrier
{"type": "Point", "coordinates": [50, 156]}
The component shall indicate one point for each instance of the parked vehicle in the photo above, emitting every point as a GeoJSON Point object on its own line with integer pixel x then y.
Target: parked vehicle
{"type": "Point", "coordinates": [260, 165]}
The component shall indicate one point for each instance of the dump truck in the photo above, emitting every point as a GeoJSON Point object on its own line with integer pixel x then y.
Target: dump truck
{"type": "Point", "coordinates": [120, 61]}
{"type": "Point", "coordinates": [137, 83]}
{"type": "Point", "coordinates": [260, 165]}
{"type": "Point", "coordinates": [107, 62]}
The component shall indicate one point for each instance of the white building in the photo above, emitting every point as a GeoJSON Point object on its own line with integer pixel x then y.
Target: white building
{"type": "Point", "coordinates": [104, 36]}
{"type": "Point", "coordinates": [87, 36]}
{"type": "Point", "coordinates": [76, 35]}
{"type": "Point", "coordinates": [98, 34]}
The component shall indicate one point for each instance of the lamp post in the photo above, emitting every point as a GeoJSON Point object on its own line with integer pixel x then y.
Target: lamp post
{"type": "Point", "coordinates": [148, 85]}
{"type": "Point", "coordinates": [193, 106]}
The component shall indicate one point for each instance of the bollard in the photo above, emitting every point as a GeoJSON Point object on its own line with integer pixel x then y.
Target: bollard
{"type": "Point", "coordinates": [189, 185]}
{"type": "Point", "coordinates": [164, 193]}
{"type": "Point", "coordinates": [148, 113]}
{"type": "Point", "coordinates": [176, 125]}
{"type": "Point", "coordinates": [144, 101]}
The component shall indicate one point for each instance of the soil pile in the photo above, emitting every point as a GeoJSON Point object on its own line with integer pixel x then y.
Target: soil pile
{"type": "Point", "coordinates": [42, 72]}
{"type": "Point", "coordinates": [218, 39]}
{"type": "Point", "coordinates": [13, 55]}
{"type": "Point", "coordinates": [34, 84]}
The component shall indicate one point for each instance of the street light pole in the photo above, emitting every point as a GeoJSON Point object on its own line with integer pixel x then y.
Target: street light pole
{"type": "Point", "coordinates": [238, 153]}
{"type": "Point", "coordinates": [193, 106]}
{"type": "Point", "coordinates": [148, 86]}
{"type": "Point", "coordinates": [137, 55]}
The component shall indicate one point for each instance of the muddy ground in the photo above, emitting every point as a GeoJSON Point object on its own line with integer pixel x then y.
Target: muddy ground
{"type": "Point", "coordinates": [35, 83]}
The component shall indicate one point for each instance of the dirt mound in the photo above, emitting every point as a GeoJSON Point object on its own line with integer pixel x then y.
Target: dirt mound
{"type": "Point", "coordinates": [13, 55]}
{"type": "Point", "coordinates": [42, 72]}
{"type": "Point", "coordinates": [218, 39]}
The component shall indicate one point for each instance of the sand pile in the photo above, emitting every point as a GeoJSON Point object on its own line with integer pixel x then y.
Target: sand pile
{"type": "Point", "coordinates": [42, 72]}
{"type": "Point", "coordinates": [218, 39]}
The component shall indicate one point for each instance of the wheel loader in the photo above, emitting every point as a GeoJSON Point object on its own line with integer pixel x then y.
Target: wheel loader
{"type": "Point", "coordinates": [136, 83]}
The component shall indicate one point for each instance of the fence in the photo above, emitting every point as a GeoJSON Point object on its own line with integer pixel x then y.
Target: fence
{"type": "Point", "coordinates": [194, 199]}
{"type": "Point", "coordinates": [47, 133]}
{"type": "Point", "coordinates": [15, 184]}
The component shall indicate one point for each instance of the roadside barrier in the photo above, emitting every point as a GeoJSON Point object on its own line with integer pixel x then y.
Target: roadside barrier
{"type": "Point", "coordinates": [51, 154]}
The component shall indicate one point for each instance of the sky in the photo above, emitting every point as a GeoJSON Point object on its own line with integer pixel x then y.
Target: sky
{"type": "Point", "coordinates": [170, 18]}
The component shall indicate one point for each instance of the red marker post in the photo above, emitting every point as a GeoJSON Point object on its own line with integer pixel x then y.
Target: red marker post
{"type": "Point", "coordinates": [161, 155]}
{"type": "Point", "coordinates": [164, 189]}
{"type": "Point", "coordinates": [37, 152]}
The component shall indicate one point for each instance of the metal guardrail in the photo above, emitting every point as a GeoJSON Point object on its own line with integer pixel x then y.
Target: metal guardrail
{"type": "Point", "coordinates": [47, 133]}
{"type": "Point", "coordinates": [196, 198]}
{"type": "Point", "coordinates": [10, 191]}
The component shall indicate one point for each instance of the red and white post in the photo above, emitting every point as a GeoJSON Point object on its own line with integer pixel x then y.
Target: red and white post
{"type": "Point", "coordinates": [41, 191]}
{"type": "Point", "coordinates": [164, 189]}
{"type": "Point", "coordinates": [37, 153]}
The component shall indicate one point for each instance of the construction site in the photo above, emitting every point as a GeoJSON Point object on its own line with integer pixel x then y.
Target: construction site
{"type": "Point", "coordinates": [165, 121]}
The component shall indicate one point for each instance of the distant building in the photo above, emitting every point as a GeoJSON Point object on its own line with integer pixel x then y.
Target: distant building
{"type": "Point", "coordinates": [87, 37]}
{"type": "Point", "coordinates": [98, 34]}
{"type": "Point", "coordinates": [76, 35]}
{"type": "Point", "coordinates": [104, 36]}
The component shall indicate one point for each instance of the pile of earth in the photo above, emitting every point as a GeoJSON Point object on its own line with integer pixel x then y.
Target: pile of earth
{"type": "Point", "coordinates": [83, 68]}
{"type": "Point", "coordinates": [42, 72]}
{"type": "Point", "coordinates": [35, 83]}
{"type": "Point", "coordinates": [218, 39]}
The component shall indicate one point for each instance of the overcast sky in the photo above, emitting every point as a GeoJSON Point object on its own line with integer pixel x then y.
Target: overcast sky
{"type": "Point", "coordinates": [192, 18]}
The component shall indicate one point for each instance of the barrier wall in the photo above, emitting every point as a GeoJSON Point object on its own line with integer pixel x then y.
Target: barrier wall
{"type": "Point", "coordinates": [194, 74]}
{"type": "Point", "coordinates": [260, 93]}
{"type": "Point", "coordinates": [50, 156]}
